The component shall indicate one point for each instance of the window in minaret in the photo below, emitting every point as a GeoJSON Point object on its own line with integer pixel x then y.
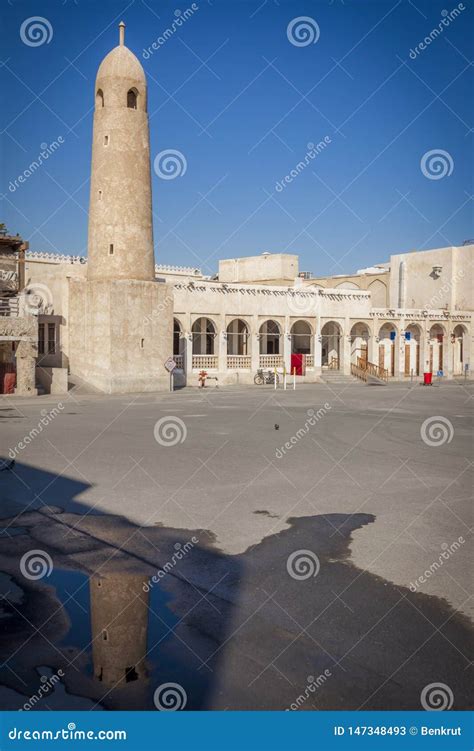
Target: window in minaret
{"type": "Point", "coordinates": [111, 250]}
{"type": "Point", "coordinates": [99, 98]}
{"type": "Point", "coordinates": [132, 97]}
{"type": "Point", "coordinates": [106, 140]}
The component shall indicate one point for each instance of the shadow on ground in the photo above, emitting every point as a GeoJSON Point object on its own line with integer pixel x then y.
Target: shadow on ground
{"type": "Point", "coordinates": [234, 632]}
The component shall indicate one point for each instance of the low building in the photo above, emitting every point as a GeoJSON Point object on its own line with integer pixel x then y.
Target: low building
{"type": "Point", "coordinates": [18, 321]}
{"type": "Point", "coordinates": [233, 328]}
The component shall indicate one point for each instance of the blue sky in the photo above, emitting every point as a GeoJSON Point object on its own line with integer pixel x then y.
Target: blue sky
{"type": "Point", "coordinates": [241, 102]}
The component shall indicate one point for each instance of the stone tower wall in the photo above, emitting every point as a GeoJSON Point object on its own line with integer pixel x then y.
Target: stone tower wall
{"type": "Point", "coordinates": [120, 213]}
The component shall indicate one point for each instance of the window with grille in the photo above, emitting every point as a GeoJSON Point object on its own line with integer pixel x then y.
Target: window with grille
{"type": "Point", "coordinates": [41, 339]}
{"type": "Point", "coordinates": [51, 338]}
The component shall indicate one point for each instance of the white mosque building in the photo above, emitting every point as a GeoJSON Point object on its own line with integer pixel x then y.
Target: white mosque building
{"type": "Point", "coordinates": [115, 318]}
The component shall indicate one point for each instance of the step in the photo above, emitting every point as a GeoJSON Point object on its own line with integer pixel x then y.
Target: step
{"type": "Point", "coordinates": [340, 378]}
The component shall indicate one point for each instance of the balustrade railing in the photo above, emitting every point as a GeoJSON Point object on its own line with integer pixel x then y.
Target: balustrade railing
{"type": "Point", "coordinates": [239, 362]}
{"type": "Point", "coordinates": [179, 360]}
{"type": "Point", "coordinates": [205, 362]}
{"type": "Point", "coordinates": [363, 368]}
{"type": "Point", "coordinates": [271, 361]}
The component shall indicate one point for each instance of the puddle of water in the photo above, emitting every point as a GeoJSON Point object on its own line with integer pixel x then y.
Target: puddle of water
{"type": "Point", "coordinates": [12, 531]}
{"type": "Point", "coordinates": [126, 636]}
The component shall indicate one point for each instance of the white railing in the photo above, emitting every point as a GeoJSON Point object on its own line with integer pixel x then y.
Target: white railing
{"type": "Point", "coordinates": [239, 362]}
{"type": "Point", "coordinates": [271, 361]}
{"type": "Point", "coordinates": [205, 362]}
{"type": "Point", "coordinates": [179, 360]}
{"type": "Point", "coordinates": [9, 306]}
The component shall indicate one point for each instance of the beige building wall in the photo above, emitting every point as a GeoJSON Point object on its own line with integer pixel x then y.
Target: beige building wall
{"type": "Point", "coordinates": [120, 334]}
{"type": "Point", "coordinates": [274, 268]}
{"type": "Point", "coordinates": [431, 279]}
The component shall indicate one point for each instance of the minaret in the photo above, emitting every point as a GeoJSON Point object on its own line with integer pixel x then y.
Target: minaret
{"type": "Point", "coordinates": [120, 317]}
{"type": "Point", "coordinates": [119, 622]}
{"type": "Point", "coordinates": [120, 213]}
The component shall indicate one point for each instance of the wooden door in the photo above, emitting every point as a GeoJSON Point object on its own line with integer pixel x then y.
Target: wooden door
{"type": "Point", "coordinates": [392, 359]}
{"type": "Point", "coordinates": [407, 359]}
{"type": "Point", "coordinates": [381, 356]}
{"type": "Point", "coordinates": [417, 359]}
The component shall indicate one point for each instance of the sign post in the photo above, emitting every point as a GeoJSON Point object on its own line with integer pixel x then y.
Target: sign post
{"type": "Point", "coordinates": [170, 365]}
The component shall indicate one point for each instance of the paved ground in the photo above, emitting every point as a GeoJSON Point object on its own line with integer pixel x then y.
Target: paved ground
{"type": "Point", "coordinates": [346, 476]}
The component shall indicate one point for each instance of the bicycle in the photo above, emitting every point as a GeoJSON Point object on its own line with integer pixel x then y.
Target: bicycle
{"type": "Point", "coordinates": [265, 376]}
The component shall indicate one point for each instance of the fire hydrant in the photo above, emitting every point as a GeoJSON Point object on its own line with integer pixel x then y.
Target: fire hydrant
{"type": "Point", "coordinates": [202, 379]}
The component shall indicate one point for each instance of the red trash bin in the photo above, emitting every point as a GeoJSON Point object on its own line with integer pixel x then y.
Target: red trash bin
{"type": "Point", "coordinates": [427, 379]}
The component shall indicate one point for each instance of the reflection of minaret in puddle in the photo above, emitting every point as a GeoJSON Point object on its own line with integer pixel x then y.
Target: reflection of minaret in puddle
{"type": "Point", "coordinates": [119, 619]}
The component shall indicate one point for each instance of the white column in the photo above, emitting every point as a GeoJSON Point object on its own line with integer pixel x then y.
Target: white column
{"type": "Point", "coordinates": [188, 358]}
{"type": "Point", "coordinates": [287, 345]}
{"type": "Point", "coordinates": [346, 347]}
{"type": "Point", "coordinates": [372, 347]}
{"type": "Point", "coordinates": [401, 351]}
{"type": "Point", "coordinates": [254, 344]}
{"type": "Point", "coordinates": [449, 357]}
{"type": "Point", "coordinates": [222, 346]}
{"type": "Point", "coordinates": [317, 347]}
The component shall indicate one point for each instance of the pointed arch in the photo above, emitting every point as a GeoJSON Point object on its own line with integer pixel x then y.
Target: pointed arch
{"type": "Point", "coordinates": [132, 98]}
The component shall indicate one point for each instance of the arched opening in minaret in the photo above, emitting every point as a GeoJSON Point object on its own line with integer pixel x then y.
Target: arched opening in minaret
{"type": "Point", "coordinates": [131, 674]}
{"type": "Point", "coordinates": [132, 99]}
{"type": "Point", "coordinates": [99, 98]}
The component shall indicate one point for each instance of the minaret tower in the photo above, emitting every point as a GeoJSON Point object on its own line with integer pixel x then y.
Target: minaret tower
{"type": "Point", "coordinates": [120, 213]}
{"type": "Point", "coordinates": [120, 318]}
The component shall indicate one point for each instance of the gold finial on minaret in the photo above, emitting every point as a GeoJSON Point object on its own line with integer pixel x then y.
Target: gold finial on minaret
{"type": "Point", "coordinates": [121, 33]}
